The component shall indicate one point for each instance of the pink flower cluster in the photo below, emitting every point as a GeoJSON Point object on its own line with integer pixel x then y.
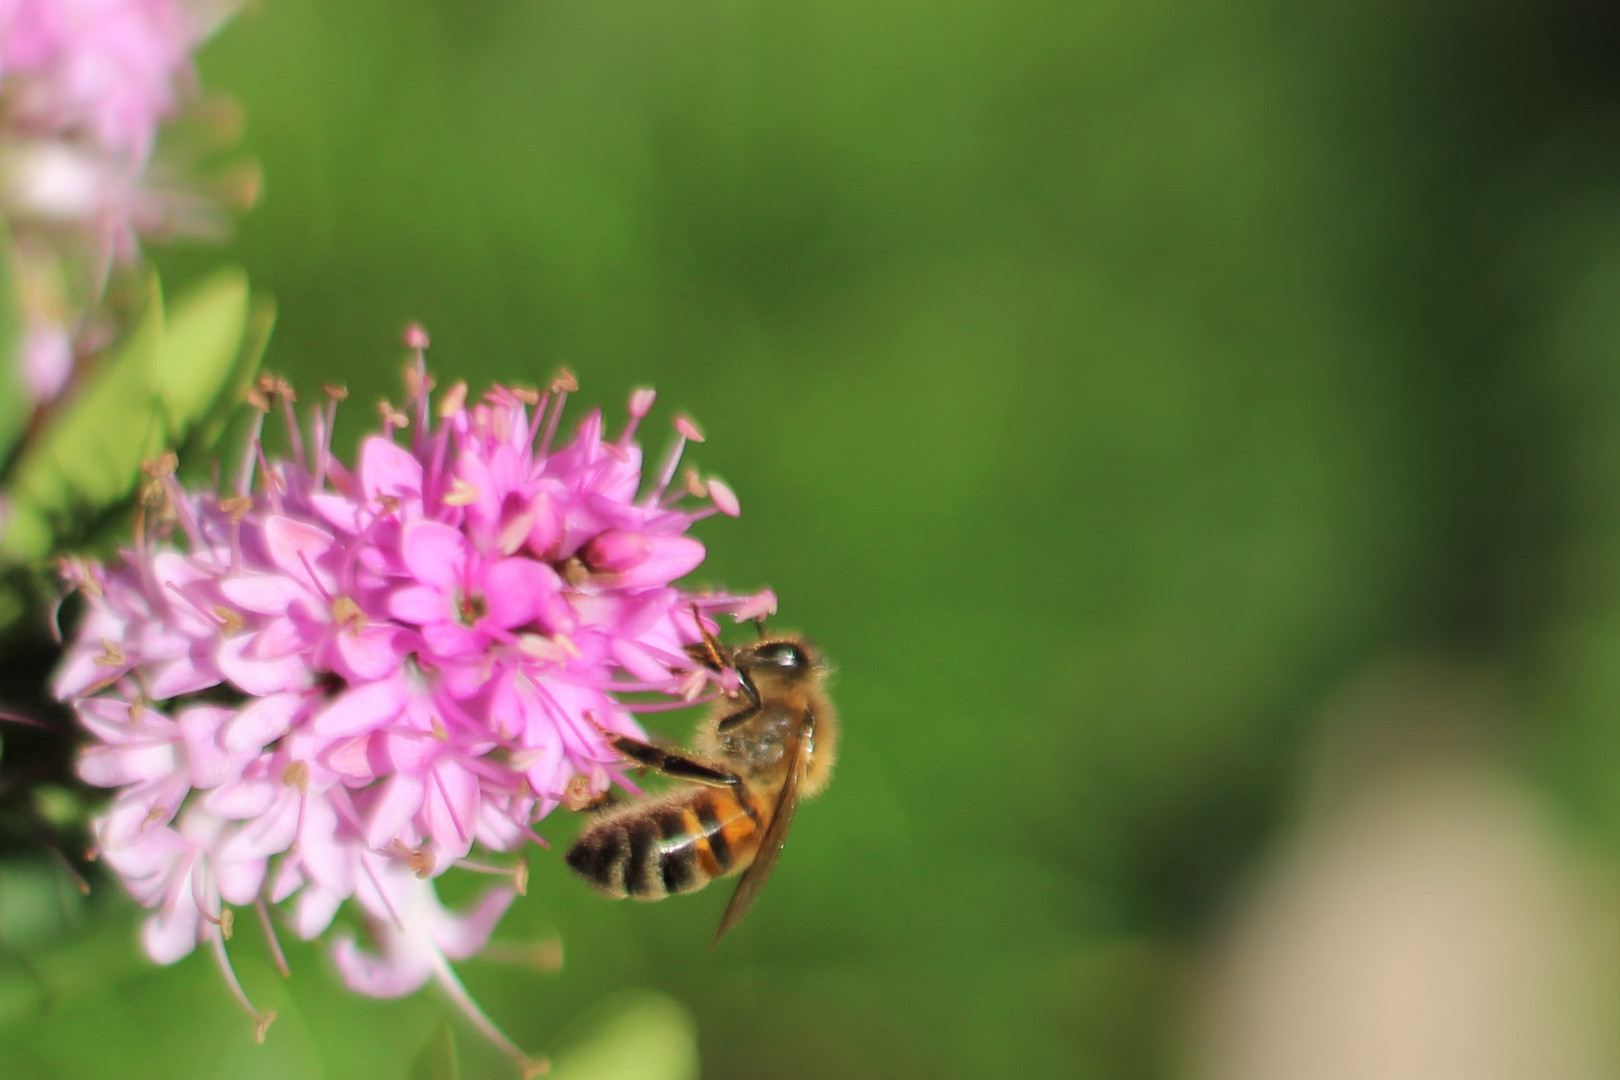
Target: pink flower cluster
{"type": "Point", "coordinates": [333, 684]}
{"type": "Point", "coordinates": [85, 86]}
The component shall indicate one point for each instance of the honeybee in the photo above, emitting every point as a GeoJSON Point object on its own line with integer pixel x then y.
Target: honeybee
{"type": "Point", "coordinates": [759, 751]}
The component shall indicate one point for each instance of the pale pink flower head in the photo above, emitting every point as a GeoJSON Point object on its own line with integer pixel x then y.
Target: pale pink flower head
{"type": "Point", "coordinates": [86, 87]}
{"type": "Point", "coordinates": [336, 683]}
{"type": "Point", "coordinates": [108, 71]}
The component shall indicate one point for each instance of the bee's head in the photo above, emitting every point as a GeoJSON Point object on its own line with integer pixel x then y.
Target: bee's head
{"type": "Point", "coordinates": [784, 659]}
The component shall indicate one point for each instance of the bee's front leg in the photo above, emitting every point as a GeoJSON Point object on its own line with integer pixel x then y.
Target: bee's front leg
{"type": "Point", "coordinates": [678, 766]}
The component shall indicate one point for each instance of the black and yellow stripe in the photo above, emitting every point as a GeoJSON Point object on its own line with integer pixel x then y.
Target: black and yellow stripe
{"type": "Point", "coordinates": [650, 852]}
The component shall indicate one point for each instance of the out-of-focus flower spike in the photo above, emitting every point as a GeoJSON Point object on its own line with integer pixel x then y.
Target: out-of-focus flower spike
{"type": "Point", "coordinates": [86, 88]}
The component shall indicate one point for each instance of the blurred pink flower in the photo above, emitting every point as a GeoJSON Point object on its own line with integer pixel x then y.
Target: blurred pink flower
{"type": "Point", "coordinates": [335, 682]}
{"type": "Point", "coordinates": [110, 69]}
{"type": "Point", "coordinates": [85, 87]}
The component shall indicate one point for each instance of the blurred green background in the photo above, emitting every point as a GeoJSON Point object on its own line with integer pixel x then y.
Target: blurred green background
{"type": "Point", "coordinates": [1106, 385]}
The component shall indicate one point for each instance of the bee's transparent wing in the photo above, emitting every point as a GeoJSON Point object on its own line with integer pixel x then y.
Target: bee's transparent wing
{"type": "Point", "coordinates": [759, 871]}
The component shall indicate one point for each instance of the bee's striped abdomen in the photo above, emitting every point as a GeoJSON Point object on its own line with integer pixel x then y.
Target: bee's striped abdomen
{"type": "Point", "coordinates": [649, 852]}
{"type": "Point", "coordinates": [728, 831]}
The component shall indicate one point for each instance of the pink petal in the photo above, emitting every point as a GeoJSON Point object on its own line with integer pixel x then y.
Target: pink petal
{"type": "Point", "coordinates": [263, 594]}
{"type": "Point", "coordinates": [554, 614]}
{"type": "Point", "coordinates": [435, 554]}
{"type": "Point", "coordinates": [395, 974]}
{"type": "Point", "coordinates": [639, 662]}
{"type": "Point", "coordinates": [210, 765]}
{"type": "Point", "coordinates": [617, 550]}
{"type": "Point", "coordinates": [361, 709]}
{"type": "Point", "coordinates": [410, 753]}
{"type": "Point", "coordinates": [109, 719]}
{"type": "Point", "coordinates": [447, 640]}
{"type": "Point", "coordinates": [259, 677]}
{"type": "Point", "coordinates": [289, 878]}
{"type": "Point", "coordinates": [388, 470]}
{"type": "Point", "coordinates": [401, 799]}
{"type": "Point", "coordinates": [281, 637]}
{"type": "Point", "coordinates": [546, 524]}
{"type": "Point", "coordinates": [314, 912]}
{"type": "Point", "coordinates": [475, 474]}
{"type": "Point", "coordinates": [263, 722]}
{"type": "Point", "coordinates": [239, 881]}
{"type": "Point", "coordinates": [297, 548]}
{"type": "Point", "coordinates": [514, 590]}
{"type": "Point", "coordinates": [549, 773]}
{"type": "Point", "coordinates": [638, 616]}
{"type": "Point", "coordinates": [135, 829]}
{"type": "Point", "coordinates": [352, 758]}
{"type": "Point", "coordinates": [451, 823]}
{"type": "Point", "coordinates": [461, 936]}
{"type": "Point", "coordinates": [463, 679]}
{"type": "Point", "coordinates": [419, 605]}
{"type": "Point", "coordinates": [242, 799]}
{"type": "Point", "coordinates": [330, 862]}
{"type": "Point", "coordinates": [671, 557]}
{"type": "Point", "coordinates": [269, 834]}
{"type": "Point", "coordinates": [170, 935]}
{"type": "Point", "coordinates": [758, 606]}
{"type": "Point", "coordinates": [338, 511]}
{"type": "Point", "coordinates": [497, 823]}
{"type": "Point", "coordinates": [79, 673]}
{"type": "Point", "coordinates": [178, 678]}
{"type": "Point", "coordinates": [109, 766]}
{"type": "Point", "coordinates": [173, 568]}
{"type": "Point", "coordinates": [369, 654]}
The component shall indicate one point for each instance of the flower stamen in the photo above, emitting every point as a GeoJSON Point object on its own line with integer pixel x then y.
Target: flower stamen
{"type": "Point", "coordinates": [269, 928]}
{"type": "Point", "coordinates": [261, 1020]}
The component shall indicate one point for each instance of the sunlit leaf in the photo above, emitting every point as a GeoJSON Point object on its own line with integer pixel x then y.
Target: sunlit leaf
{"type": "Point", "coordinates": [169, 384]}
{"type": "Point", "coordinates": [255, 336]}
{"type": "Point", "coordinates": [91, 453]}
{"type": "Point", "coordinates": [438, 1060]}
{"type": "Point", "coordinates": [202, 339]}
{"type": "Point", "coordinates": [645, 1037]}
{"type": "Point", "coordinates": [27, 534]}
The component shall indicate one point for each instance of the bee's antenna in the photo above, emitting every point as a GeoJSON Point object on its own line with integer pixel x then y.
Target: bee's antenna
{"type": "Point", "coordinates": [759, 625]}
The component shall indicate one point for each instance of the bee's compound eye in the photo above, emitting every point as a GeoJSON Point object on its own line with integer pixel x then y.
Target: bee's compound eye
{"type": "Point", "coordinates": [783, 654]}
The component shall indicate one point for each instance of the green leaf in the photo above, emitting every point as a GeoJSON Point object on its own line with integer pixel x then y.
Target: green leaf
{"type": "Point", "coordinates": [91, 454]}
{"type": "Point", "coordinates": [201, 343]}
{"type": "Point", "coordinates": [646, 1036]}
{"type": "Point", "coordinates": [11, 606]}
{"type": "Point", "coordinates": [169, 384]}
{"type": "Point", "coordinates": [438, 1060]}
{"type": "Point", "coordinates": [27, 534]}
{"type": "Point", "coordinates": [13, 402]}
{"type": "Point", "coordinates": [37, 906]}
{"type": "Point", "coordinates": [255, 336]}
